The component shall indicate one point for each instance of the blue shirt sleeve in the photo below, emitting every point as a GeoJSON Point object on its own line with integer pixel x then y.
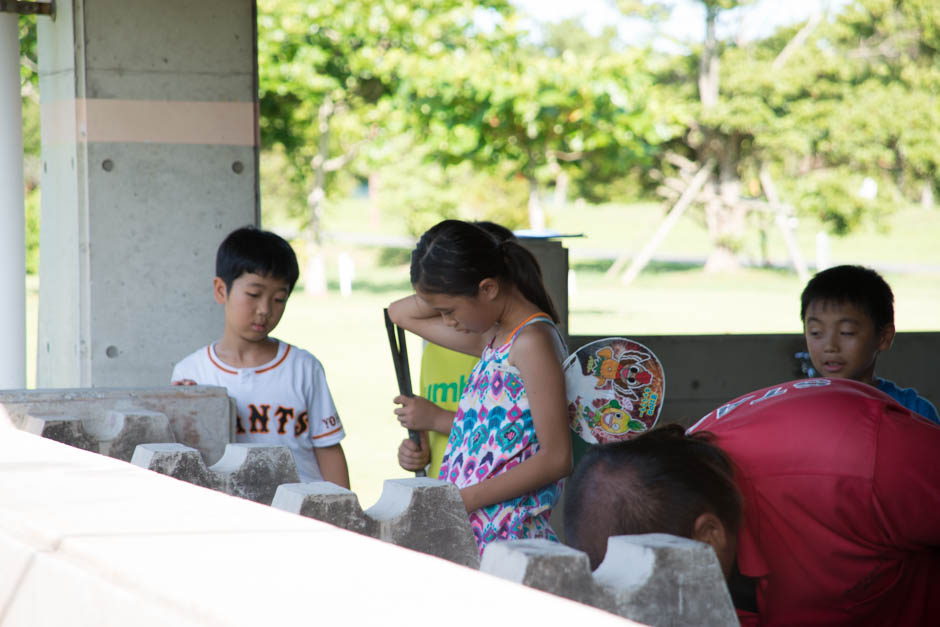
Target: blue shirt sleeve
{"type": "Point", "coordinates": [908, 397]}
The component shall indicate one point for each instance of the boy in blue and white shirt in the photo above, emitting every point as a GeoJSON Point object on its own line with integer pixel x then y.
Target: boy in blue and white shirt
{"type": "Point", "coordinates": [848, 319]}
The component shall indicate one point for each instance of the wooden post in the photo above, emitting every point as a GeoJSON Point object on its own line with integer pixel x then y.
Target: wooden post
{"type": "Point", "coordinates": [782, 220]}
{"type": "Point", "coordinates": [640, 261]}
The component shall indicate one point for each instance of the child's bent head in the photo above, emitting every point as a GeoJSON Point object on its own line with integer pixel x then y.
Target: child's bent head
{"type": "Point", "coordinates": [250, 250]}
{"type": "Point", "coordinates": [659, 482]}
{"type": "Point", "coordinates": [851, 285]}
{"type": "Point", "coordinates": [454, 257]}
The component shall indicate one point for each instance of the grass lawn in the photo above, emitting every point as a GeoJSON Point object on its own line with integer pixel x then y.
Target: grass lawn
{"type": "Point", "coordinates": [348, 334]}
{"type": "Point", "coordinates": [909, 238]}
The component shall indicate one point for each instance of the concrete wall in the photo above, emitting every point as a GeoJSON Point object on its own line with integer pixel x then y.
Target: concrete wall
{"type": "Point", "coordinates": [705, 371]}
{"type": "Point", "coordinates": [150, 157]}
{"type": "Point", "coordinates": [553, 259]}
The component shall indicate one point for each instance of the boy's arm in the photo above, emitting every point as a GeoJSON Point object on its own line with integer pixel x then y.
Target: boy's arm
{"type": "Point", "coordinates": [926, 409]}
{"type": "Point", "coordinates": [332, 462]}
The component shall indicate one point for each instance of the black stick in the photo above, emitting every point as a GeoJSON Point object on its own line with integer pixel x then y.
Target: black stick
{"type": "Point", "coordinates": [402, 371]}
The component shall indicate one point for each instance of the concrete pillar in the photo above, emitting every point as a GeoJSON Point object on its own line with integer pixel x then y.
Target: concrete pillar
{"type": "Point", "coordinates": [12, 216]}
{"type": "Point", "coordinates": [553, 258]}
{"type": "Point", "coordinates": [150, 157]}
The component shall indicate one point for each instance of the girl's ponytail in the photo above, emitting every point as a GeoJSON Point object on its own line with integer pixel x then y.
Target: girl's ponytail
{"type": "Point", "coordinates": [524, 270]}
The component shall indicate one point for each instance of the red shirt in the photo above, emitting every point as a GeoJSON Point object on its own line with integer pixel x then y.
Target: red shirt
{"type": "Point", "coordinates": [841, 485]}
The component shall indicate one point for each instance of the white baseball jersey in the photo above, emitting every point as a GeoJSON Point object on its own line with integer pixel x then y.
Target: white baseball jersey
{"type": "Point", "coordinates": [285, 402]}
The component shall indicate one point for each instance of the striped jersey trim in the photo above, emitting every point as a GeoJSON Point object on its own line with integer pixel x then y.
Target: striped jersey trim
{"type": "Point", "coordinates": [277, 363]}
{"type": "Point", "coordinates": [328, 433]}
{"type": "Point", "coordinates": [259, 371]}
{"type": "Point", "coordinates": [217, 364]}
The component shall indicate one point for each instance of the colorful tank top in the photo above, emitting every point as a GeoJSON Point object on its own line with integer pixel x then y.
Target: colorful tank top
{"type": "Point", "coordinates": [493, 432]}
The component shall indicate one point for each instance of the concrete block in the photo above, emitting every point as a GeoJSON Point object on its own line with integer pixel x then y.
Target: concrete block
{"type": "Point", "coordinates": [656, 579]}
{"type": "Point", "coordinates": [426, 515]}
{"type": "Point", "coordinates": [545, 565]}
{"type": "Point", "coordinates": [327, 502]}
{"type": "Point", "coordinates": [64, 429]}
{"type": "Point", "coordinates": [177, 461]}
{"type": "Point", "coordinates": [249, 471]}
{"type": "Point", "coordinates": [115, 434]}
{"type": "Point", "coordinates": [202, 417]}
{"type": "Point", "coordinates": [119, 432]}
{"type": "Point", "coordinates": [420, 513]}
{"type": "Point", "coordinates": [254, 471]}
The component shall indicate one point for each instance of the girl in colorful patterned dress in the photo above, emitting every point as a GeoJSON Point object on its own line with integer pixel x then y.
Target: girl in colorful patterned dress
{"type": "Point", "coordinates": [509, 446]}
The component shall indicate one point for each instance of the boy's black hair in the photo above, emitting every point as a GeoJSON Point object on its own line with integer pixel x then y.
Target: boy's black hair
{"type": "Point", "coordinates": [249, 250]}
{"type": "Point", "coordinates": [658, 482]}
{"type": "Point", "coordinates": [453, 256]}
{"type": "Point", "coordinates": [853, 285]}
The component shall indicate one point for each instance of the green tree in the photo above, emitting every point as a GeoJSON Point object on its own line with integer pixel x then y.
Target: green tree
{"type": "Point", "coordinates": [328, 72]}
{"type": "Point", "coordinates": [862, 102]}
{"type": "Point", "coordinates": [714, 141]}
{"type": "Point", "coordinates": [570, 35]}
{"type": "Point", "coordinates": [819, 107]}
{"type": "Point", "coordinates": [31, 138]}
{"type": "Point", "coordinates": [516, 112]}
{"type": "Point", "coordinates": [425, 191]}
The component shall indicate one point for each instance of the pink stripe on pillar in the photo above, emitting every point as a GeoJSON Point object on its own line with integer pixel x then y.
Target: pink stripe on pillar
{"type": "Point", "coordinates": [153, 121]}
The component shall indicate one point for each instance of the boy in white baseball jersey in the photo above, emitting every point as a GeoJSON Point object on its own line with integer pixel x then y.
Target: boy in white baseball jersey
{"type": "Point", "coordinates": [280, 390]}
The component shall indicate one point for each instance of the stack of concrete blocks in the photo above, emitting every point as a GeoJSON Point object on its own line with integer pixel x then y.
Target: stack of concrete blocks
{"type": "Point", "coordinates": [185, 432]}
{"type": "Point", "coordinates": [248, 471]}
{"type": "Point", "coordinates": [655, 579]}
{"type": "Point", "coordinates": [113, 421]}
{"type": "Point", "coordinates": [89, 541]}
{"type": "Point", "coordinates": [419, 513]}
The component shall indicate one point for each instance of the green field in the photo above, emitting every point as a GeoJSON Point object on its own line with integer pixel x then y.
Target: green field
{"type": "Point", "coordinates": [348, 334]}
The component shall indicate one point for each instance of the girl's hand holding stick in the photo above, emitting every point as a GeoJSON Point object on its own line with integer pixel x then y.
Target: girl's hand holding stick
{"type": "Point", "coordinates": [396, 341]}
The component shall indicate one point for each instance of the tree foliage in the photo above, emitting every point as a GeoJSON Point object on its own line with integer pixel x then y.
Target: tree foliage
{"type": "Point", "coordinates": [820, 107]}
{"type": "Point", "coordinates": [516, 112]}
{"type": "Point", "coordinates": [434, 99]}
{"type": "Point", "coordinates": [29, 90]}
{"type": "Point", "coordinates": [856, 100]}
{"type": "Point", "coordinates": [448, 109]}
{"type": "Point", "coordinates": [328, 72]}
